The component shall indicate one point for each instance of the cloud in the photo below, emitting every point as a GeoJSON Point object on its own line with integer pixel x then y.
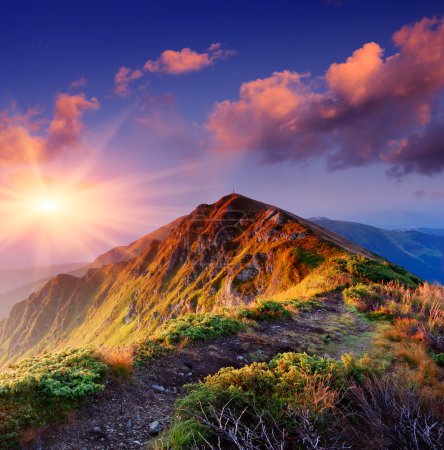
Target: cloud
{"type": "Point", "coordinates": [123, 79]}
{"type": "Point", "coordinates": [22, 140]}
{"type": "Point", "coordinates": [80, 83]}
{"type": "Point", "coordinates": [167, 129]}
{"type": "Point", "coordinates": [186, 60]}
{"type": "Point", "coordinates": [435, 195]}
{"type": "Point", "coordinates": [367, 109]}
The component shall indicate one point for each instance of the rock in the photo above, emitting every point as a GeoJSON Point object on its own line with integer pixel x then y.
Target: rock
{"type": "Point", "coordinates": [129, 424]}
{"type": "Point", "coordinates": [240, 358]}
{"type": "Point", "coordinates": [155, 427]}
{"type": "Point", "coordinates": [158, 387]}
{"type": "Point", "coordinates": [137, 443]}
{"type": "Point", "coordinates": [97, 430]}
{"type": "Point", "coordinates": [247, 274]}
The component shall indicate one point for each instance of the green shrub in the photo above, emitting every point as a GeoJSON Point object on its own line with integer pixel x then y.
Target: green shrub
{"type": "Point", "coordinates": [438, 358]}
{"type": "Point", "coordinates": [264, 310]}
{"type": "Point", "coordinates": [71, 374]}
{"type": "Point", "coordinates": [378, 271]}
{"type": "Point", "coordinates": [268, 396]}
{"type": "Point", "coordinates": [304, 305]}
{"type": "Point", "coordinates": [310, 259]}
{"type": "Point", "coordinates": [363, 296]}
{"type": "Point", "coordinates": [147, 350]}
{"type": "Point", "coordinates": [197, 327]}
{"type": "Point", "coordinates": [43, 389]}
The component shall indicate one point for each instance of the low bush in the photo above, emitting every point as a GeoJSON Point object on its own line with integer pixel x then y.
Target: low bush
{"type": "Point", "coordinates": [287, 402]}
{"type": "Point", "coordinates": [43, 389]}
{"type": "Point", "coordinates": [196, 327]}
{"type": "Point", "coordinates": [145, 351]}
{"type": "Point", "coordinates": [70, 374]}
{"type": "Point", "coordinates": [264, 310]}
{"type": "Point", "coordinates": [363, 297]}
{"type": "Point", "coordinates": [310, 259]}
{"type": "Point", "coordinates": [438, 358]}
{"type": "Point", "coordinates": [378, 271]}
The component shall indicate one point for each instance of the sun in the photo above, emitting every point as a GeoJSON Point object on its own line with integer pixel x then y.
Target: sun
{"type": "Point", "coordinates": [48, 205]}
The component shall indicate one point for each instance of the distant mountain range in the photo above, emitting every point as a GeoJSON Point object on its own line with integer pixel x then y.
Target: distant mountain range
{"type": "Point", "coordinates": [17, 284]}
{"type": "Point", "coordinates": [420, 251]}
{"type": "Point", "coordinates": [434, 231]}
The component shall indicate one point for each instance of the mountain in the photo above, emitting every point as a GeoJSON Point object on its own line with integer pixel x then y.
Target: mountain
{"type": "Point", "coordinates": [220, 255]}
{"type": "Point", "coordinates": [434, 231]}
{"type": "Point", "coordinates": [136, 248]}
{"type": "Point", "coordinates": [418, 252]}
{"type": "Point", "coordinates": [17, 284]}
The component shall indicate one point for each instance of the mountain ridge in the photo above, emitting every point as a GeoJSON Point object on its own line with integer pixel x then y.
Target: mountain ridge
{"type": "Point", "coordinates": [420, 253]}
{"type": "Point", "coordinates": [219, 255]}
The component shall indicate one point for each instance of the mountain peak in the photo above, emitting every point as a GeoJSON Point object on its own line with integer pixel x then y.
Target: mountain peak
{"type": "Point", "coordinates": [220, 255]}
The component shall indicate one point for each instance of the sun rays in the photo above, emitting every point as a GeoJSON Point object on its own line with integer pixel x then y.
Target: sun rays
{"type": "Point", "coordinates": [78, 212]}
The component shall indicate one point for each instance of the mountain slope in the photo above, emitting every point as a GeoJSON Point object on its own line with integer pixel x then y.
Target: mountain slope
{"type": "Point", "coordinates": [136, 248]}
{"type": "Point", "coordinates": [17, 284]}
{"type": "Point", "coordinates": [220, 255]}
{"type": "Point", "coordinates": [420, 253]}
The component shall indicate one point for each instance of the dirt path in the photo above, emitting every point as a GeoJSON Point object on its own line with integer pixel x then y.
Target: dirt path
{"type": "Point", "coordinates": [120, 417]}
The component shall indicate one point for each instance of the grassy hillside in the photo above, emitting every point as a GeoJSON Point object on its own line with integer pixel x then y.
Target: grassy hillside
{"type": "Point", "coordinates": [420, 253]}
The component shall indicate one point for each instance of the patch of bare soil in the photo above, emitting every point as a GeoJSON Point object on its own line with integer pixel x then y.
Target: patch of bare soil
{"type": "Point", "coordinates": [121, 416]}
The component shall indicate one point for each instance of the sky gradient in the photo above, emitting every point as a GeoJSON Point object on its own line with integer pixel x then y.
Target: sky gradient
{"type": "Point", "coordinates": [138, 111]}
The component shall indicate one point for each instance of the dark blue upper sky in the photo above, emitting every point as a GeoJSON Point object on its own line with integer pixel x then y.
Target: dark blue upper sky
{"type": "Point", "coordinates": [46, 44]}
{"type": "Point", "coordinates": [162, 128]}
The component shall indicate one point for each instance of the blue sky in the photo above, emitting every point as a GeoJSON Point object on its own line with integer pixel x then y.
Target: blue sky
{"type": "Point", "coordinates": [159, 129]}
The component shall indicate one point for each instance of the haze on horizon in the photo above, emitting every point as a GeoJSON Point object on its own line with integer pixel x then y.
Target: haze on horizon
{"type": "Point", "coordinates": [114, 121]}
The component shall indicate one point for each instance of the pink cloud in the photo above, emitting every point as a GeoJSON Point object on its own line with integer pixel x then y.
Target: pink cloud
{"type": "Point", "coordinates": [23, 142]}
{"type": "Point", "coordinates": [368, 109]}
{"type": "Point", "coordinates": [80, 83]}
{"type": "Point", "coordinates": [186, 60]}
{"type": "Point", "coordinates": [123, 78]}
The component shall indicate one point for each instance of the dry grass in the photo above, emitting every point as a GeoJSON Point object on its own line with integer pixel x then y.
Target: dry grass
{"type": "Point", "coordinates": [396, 416]}
{"type": "Point", "coordinates": [119, 359]}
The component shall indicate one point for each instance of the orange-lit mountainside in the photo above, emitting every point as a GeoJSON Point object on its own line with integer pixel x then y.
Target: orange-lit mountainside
{"type": "Point", "coordinates": [220, 255]}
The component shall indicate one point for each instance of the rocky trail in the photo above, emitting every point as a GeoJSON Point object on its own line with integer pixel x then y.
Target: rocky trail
{"type": "Point", "coordinates": [127, 415]}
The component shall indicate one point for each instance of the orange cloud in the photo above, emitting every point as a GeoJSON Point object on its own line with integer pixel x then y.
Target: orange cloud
{"type": "Point", "coordinates": [186, 60]}
{"type": "Point", "coordinates": [123, 79]}
{"type": "Point", "coordinates": [368, 108]}
{"type": "Point", "coordinates": [21, 139]}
